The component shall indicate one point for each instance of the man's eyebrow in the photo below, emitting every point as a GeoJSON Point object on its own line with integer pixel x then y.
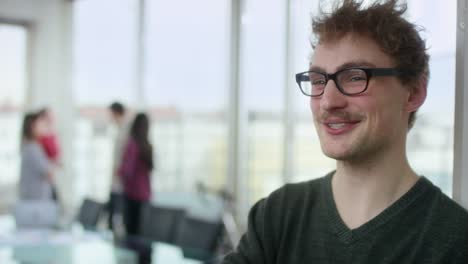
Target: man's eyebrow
{"type": "Point", "coordinates": [316, 68]}
{"type": "Point", "coordinates": [354, 64]}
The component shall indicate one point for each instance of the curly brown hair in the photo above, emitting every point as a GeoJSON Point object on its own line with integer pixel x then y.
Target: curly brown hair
{"type": "Point", "coordinates": [384, 23]}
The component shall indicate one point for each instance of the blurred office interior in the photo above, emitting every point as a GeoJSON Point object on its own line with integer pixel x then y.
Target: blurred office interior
{"type": "Point", "coordinates": [217, 80]}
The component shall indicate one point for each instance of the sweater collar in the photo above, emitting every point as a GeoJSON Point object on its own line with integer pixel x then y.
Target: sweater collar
{"type": "Point", "coordinates": [349, 236]}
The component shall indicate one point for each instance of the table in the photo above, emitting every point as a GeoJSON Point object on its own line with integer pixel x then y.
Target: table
{"type": "Point", "coordinates": [77, 246]}
{"type": "Point", "coordinates": [163, 253]}
{"type": "Point", "coordinates": [39, 246]}
{"type": "Point", "coordinates": [51, 246]}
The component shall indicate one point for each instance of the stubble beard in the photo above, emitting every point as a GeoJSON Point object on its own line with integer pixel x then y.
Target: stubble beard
{"type": "Point", "coordinates": [361, 148]}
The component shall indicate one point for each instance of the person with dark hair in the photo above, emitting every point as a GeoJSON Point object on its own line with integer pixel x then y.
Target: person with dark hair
{"type": "Point", "coordinates": [135, 169]}
{"type": "Point", "coordinates": [118, 109]}
{"type": "Point", "coordinates": [366, 80]}
{"type": "Point", "coordinates": [36, 175]}
{"type": "Point", "coordinates": [115, 203]}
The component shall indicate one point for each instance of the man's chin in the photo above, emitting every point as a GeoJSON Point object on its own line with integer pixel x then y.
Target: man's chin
{"type": "Point", "coordinates": [352, 156]}
{"type": "Point", "coordinates": [339, 155]}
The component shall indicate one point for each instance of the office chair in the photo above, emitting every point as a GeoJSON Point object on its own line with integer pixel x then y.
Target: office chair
{"type": "Point", "coordinates": [199, 238]}
{"type": "Point", "coordinates": [156, 224]}
{"type": "Point", "coordinates": [90, 212]}
{"type": "Point", "coordinates": [160, 223]}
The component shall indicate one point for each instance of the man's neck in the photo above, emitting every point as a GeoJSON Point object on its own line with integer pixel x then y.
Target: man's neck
{"type": "Point", "coordinates": [362, 191]}
{"type": "Point", "coordinates": [120, 121]}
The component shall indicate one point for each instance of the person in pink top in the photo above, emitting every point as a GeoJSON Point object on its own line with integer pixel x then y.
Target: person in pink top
{"type": "Point", "coordinates": [135, 171]}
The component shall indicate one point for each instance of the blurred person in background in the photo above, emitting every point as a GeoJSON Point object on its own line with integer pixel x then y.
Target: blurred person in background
{"type": "Point", "coordinates": [48, 139]}
{"type": "Point", "coordinates": [115, 204]}
{"type": "Point", "coordinates": [49, 142]}
{"type": "Point", "coordinates": [36, 172]}
{"type": "Point", "coordinates": [135, 170]}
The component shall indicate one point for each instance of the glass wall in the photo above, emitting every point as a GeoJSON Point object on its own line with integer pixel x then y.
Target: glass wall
{"type": "Point", "coordinates": [104, 71]}
{"type": "Point", "coordinates": [12, 102]}
{"type": "Point", "coordinates": [262, 60]}
{"type": "Point", "coordinates": [185, 89]}
{"type": "Point", "coordinates": [185, 86]}
{"type": "Point", "coordinates": [430, 143]}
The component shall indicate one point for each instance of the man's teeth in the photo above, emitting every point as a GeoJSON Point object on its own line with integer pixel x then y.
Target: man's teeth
{"type": "Point", "coordinates": [336, 125]}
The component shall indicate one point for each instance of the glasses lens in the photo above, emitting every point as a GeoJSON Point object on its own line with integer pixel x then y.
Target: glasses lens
{"type": "Point", "coordinates": [352, 81]}
{"type": "Point", "coordinates": [313, 83]}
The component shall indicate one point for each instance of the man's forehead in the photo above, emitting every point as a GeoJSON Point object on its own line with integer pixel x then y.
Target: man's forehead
{"type": "Point", "coordinates": [345, 65]}
{"type": "Point", "coordinates": [348, 51]}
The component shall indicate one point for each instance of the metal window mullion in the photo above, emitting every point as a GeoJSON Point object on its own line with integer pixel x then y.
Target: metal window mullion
{"type": "Point", "coordinates": [236, 169]}
{"type": "Point", "coordinates": [460, 168]}
{"type": "Point", "coordinates": [288, 114]}
{"type": "Point", "coordinates": [140, 102]}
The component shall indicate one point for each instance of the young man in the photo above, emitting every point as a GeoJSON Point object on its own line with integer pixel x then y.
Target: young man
{"type": "Point", "coordinates": [367, 78]}
{"type": "Point", "coordinates": [119, 117]}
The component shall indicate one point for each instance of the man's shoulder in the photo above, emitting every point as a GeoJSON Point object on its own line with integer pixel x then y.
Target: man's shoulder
{"type": "Point", "coordinates": [447, 221]}
{"type": "Point", "coordinates": [445, 207]}
{"type": "Point", "coordinates": [450, 228]}
{"type": "Point", "coordinates": [452, 207]}
{"type": "Point", "coordinates": [442, 206]}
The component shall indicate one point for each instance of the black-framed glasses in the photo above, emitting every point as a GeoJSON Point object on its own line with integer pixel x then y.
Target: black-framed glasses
{"type": "Point", "coordinates": [351, 81]}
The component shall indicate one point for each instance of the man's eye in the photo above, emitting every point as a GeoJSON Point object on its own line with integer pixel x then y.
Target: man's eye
{"type": "Point", "coordinates": [356, 79]}
{"type": "Point", "coordinates": [318, 82]}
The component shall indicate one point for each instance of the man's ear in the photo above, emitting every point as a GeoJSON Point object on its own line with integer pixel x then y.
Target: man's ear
{"type": "Point", "coordinates": [417, 95]}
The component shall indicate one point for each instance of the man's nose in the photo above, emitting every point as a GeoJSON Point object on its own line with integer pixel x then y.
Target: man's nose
{"type": "Point", "coordinates": [332, 98]}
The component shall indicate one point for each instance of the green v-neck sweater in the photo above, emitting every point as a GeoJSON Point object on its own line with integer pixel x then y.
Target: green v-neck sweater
{"type": "Point", "coordinates": [299, 224]}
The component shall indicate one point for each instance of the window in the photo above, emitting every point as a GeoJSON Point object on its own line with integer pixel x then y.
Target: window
{"type": "Point", "coordinates": [430, 144]}
{"type": "Point", "coordinates": [186, 88]}
{"type": "Point", "coordinates": [105, 62]}
{"type": "Point", "coordinates": [12, 100]}
{"type": "Point", "coordinates": [105, 51]}
{"type": "Point", "coordinates": [12, 97]}
{"type": "Point", "coordinates": [262, 59]}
